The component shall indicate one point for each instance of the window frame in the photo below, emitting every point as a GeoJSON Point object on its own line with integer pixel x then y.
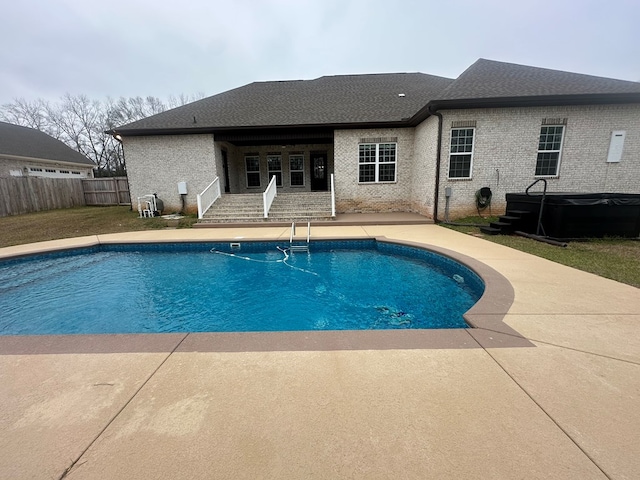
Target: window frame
{"type": "Point", "coordinates": [550, 151]}
{"type": "Point", "coordinates": [252, 173]}
{"type": "Point", "coordinates": [277, 173]}
{"type": "Point", "coordinates": [377, 163]}
{"type": "Point", "coordinates": [462, 154]}
{"type": "Point", "coordinates": [292, 171]}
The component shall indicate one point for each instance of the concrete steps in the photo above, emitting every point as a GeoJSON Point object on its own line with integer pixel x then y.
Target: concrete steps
{"type": "Point", "coordinates": [286, 207]}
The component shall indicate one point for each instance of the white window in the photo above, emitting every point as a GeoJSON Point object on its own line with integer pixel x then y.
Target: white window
{"type": "Point", "coordinates": [461, 153]}
{"type": "Point", "coordinates": [377, 163]}
{"type": "Point", "coordinates": [253, 170]}
{"type": "Point", "coordinates": [274, 165]}
{"type": "Point", "coordinates": [296, 170]}
{"type": "Point", "coordinates": [549, 149]}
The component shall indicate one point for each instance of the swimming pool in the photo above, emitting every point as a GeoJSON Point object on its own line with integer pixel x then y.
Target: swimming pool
{"type": "Point", "coordinates": [225, 287]}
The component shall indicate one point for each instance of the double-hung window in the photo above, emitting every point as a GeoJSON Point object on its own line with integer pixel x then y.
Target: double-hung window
{"type": "Point", "coordinates": [274, 165]}
{"type": "Point", "coordinates": [461, 152]}
{"type": "Point", "coordinates": [377, 163]}
{"type": "Point", "coordinates": [296, 170]}
{"type": "Point", "coordinates": [549, 149]}
{"type": "Point", "coordinates": [252, 163]}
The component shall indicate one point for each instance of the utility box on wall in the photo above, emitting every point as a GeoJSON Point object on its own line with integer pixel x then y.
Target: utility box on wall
{"type": "Point", "coordinates": [182, 188]}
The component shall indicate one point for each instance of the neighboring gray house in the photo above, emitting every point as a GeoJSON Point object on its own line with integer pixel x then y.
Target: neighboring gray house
{"type": "Point", "coordinates": [28, 152]}
{"type": "Point", "coordinates": [395, 142]}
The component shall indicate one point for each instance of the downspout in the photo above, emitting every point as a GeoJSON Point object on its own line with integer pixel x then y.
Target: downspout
{"type": "Point", "coordinates": [432, 111]}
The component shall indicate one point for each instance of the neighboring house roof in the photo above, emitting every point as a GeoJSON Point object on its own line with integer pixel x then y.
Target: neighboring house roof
{"type": "Point", "coordinates": [28, 142]}
{"type": "Point", "coordinates": [359, 101]}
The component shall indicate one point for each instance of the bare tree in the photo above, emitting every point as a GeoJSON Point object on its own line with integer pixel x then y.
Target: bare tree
{"type": "Point", "coordinates": [28, 114]}
{"type": "Point", "coordinates": [81, 122]}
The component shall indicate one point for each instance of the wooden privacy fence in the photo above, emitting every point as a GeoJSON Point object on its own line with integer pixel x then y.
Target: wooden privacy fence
{"type": "Point", "coordinates": [106, 191]}
{"type": "Point", "coordinates": [20, 195]}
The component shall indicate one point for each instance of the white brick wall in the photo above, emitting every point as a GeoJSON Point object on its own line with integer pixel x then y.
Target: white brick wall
{"type": "Point", "coordinates": [505, 151]}
{"type": "Point", "coordinates": [156, 164]}
{"type": "Point", "coordinates": [352, 196]}
{"type": "Point", "coordinates": [424, 166]}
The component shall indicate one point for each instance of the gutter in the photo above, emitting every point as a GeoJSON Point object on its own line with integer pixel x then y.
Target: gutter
{"type": "Point", "coordinates": [432, 111]}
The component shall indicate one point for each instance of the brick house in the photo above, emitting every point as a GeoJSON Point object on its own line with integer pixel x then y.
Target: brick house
{"type": "Point", "coordinates": [26, 152]}
{"type": "Point", "coordinates": [395, 142]}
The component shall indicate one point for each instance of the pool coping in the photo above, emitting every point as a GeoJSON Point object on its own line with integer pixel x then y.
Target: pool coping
{"type": "Point", "coordinates": [487, 328]}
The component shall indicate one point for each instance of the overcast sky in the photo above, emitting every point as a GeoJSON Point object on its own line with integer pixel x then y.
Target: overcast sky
{"type": "Point", "coordinates": [156, 47]}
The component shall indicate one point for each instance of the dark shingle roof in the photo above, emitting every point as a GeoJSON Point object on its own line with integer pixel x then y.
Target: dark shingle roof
{"type": "Point", "coordinates": [370, 100]}
{"type": "Point", "coordinates": [27, 142]}
{"type": "Point", "coordinates": [490, 79]}
{"type": "Point", "coordinates": [344, 99]}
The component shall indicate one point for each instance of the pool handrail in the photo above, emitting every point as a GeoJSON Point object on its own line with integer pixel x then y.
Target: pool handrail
{"type": "Point", "coordinates": [333, 196]}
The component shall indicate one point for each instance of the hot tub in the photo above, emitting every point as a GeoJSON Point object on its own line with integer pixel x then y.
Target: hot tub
{"type": "Point", "coordinates": [579, 215]}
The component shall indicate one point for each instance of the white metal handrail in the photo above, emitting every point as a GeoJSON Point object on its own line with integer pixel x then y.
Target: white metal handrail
{"type": "Point", "coordinates": [308, 232]}
{"type": "Point", "coordinates": [269, 194]}
{"type": "Point", "coordinates": [293, 232]}
{"type": "Point", "coordinates": [333, 197]}
{"type": "Point", "coordinates": [208, 196]}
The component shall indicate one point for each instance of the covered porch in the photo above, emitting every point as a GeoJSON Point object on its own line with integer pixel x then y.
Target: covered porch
{"type": "Point", "coordinates": [300, 161]}
{"type": "Point", "coordinates": [255, 167]}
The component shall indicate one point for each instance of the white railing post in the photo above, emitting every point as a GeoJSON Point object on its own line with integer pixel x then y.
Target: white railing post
{"type": "Point", "coordinates": [208, 196]}
{"type": "Point", "coordinates": [333, 197]}
{"type": "Point", "coordinates": [269, 194]}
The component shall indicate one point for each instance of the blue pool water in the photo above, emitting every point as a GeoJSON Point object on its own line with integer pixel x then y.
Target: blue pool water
{"type": "Point", "coordinates": [211, 287]}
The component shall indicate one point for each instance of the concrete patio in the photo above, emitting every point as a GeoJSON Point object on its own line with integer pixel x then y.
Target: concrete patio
{"type": "Point", "coordinates": [562, 405]}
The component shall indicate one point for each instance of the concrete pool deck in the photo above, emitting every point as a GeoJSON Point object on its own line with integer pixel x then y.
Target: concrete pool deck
{"type": "Point", "coordinates": [168, 406]}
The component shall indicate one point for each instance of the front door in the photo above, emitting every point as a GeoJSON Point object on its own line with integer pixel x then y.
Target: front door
{"type": "Point", "coordinates": [318, 172]}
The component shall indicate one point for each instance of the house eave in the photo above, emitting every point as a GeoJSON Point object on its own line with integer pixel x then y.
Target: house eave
{"type": "Point", "coordinates": [530, 101]}
{"type": "Point", "coordinates": [328, 127]}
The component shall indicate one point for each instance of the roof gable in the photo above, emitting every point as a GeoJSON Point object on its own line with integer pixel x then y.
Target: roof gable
{"type": "Point", "coordinates": [28, 142]}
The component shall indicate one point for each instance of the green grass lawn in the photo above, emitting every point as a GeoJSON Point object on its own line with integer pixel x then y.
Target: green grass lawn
{"type": "Point", "coordinates": [76, 222]}
{"type": "Point", "coordinates": [614, 258]}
